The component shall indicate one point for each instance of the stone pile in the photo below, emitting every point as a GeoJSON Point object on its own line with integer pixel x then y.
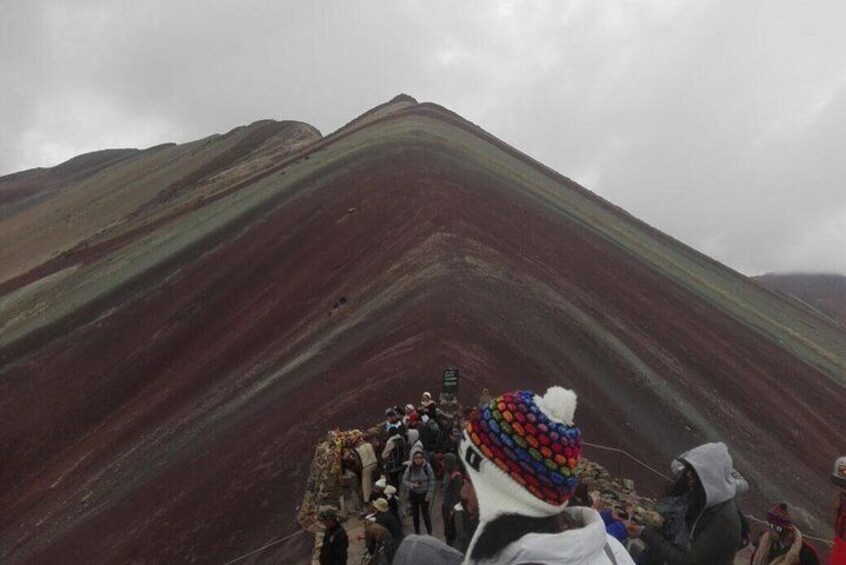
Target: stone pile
{"type": "Point", "coordinates": [328, 485]}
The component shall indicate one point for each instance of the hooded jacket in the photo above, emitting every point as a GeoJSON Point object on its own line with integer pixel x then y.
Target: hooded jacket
{"type": "Point", "coordinates": [335, 546]}
{"type": "Point", "coordinates": [414, 443]}
{"type": "Point", "coordinates": [426, 550]}
{"type": "Point", "coordinates": [587, 545]}
{"type": "Point", "coordinates": [715, 534]}
{"type": "Point", "coordinates": [421, 475]}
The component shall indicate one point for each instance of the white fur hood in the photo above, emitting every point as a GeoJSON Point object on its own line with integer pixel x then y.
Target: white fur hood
{"type": "Point", "coordinates": [585, 545]}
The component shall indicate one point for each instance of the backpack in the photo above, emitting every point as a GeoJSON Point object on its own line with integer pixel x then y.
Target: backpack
{"type": "Point", "coordinates": [394, 464]}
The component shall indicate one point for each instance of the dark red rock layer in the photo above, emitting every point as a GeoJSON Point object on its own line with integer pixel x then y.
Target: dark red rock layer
{"type": "Point", "coordinates": [174, 418]}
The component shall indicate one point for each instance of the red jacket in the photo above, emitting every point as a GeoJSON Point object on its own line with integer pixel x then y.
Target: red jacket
{"type": "Point", "coordinates": [838, 552]}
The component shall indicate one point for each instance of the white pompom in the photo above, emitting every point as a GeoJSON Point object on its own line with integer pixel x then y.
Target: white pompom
{"type": "Point", "coordinates": [559, 404]}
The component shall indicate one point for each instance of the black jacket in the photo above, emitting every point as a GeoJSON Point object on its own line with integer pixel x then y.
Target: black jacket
{"type": "Point", "coordinates": [465, 527]}
{"type": "Point", "coordinates": [715, 539]}
{"type": "Point", "coordinates": [452, 490]}
{"type": "Point", "coordinates": [394, 527]}
{"type": "Point", "coordinates": [334, 548]}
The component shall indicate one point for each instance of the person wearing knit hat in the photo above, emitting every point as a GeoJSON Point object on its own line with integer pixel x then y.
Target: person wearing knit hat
{"type": "Point", "coordinates": [520, 451]}
{"type": "Point", "coordinates": [838, 477]}
{"type": "Point", "coordinates": [782, 544]}
{"type": "Point", "coordinates": [702, 524]}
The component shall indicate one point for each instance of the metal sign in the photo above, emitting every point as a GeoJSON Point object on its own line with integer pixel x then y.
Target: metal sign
{"type": "Point", "coordinates": [450, 383]}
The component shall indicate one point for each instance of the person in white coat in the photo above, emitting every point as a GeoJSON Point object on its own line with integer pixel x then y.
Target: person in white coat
{"type": "Point", "coordinates": [521, 451]}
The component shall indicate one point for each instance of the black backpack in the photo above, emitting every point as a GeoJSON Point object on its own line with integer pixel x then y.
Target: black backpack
{"type": "Point", "coordinates": [397, 456]}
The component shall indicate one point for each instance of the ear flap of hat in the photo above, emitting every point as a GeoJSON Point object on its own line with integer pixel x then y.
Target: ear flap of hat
{"type": "Point", "coordinates": [497, 492]}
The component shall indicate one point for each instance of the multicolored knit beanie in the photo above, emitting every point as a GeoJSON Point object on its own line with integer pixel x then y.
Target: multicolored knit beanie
{"type": "Point", "coordinates": [521, 451]}
{"type": "Point", "coordinates": [780, 516]}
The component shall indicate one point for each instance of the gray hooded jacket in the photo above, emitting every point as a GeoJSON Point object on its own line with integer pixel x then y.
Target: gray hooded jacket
{"type": "Point", "coordinates": [419, 479]}
{"type": "Point", "coordinates": [426, 550]}
{"type": "Point", "coordinates": [715, 533]}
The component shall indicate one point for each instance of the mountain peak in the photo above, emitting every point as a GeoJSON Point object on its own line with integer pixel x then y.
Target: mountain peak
{"type": "Point", "coordinates": [202, 313]}
{"type": "Point", "coordinates": [402, 97]}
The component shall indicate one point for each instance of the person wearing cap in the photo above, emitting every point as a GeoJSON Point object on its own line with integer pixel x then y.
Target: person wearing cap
{"type": "Point", "coordinates": [702, 524]}
{"type": "Point", "coordinates": [838, 477]}
{"type": "Point", "coordinates": [520, 451]}
{"type": "Point", "coordinates": [782, 544]}
{"type": "Point", "coordinates": [333, 551]}
{"type": "Point", "coordinates": [384, 518]}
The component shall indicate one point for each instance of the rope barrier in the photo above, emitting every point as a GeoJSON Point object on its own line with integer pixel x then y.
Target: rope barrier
{"type": "Point", "coordinates": [629, 455]}
{"type": "Point", "coordinates": [659, 473]}
{"type": "Point", "coordinates": [262, 548]}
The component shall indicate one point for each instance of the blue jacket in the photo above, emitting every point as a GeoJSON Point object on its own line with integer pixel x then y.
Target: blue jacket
{"type": "Point", "coordinates": [614, 527]}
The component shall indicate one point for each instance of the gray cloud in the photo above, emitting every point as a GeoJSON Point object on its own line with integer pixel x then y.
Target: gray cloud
{"type": "Point", "coordinates": [720, 123]}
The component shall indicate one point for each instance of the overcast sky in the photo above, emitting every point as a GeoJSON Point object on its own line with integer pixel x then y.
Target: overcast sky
{"type": "Point", "coordinates": [720, 123]}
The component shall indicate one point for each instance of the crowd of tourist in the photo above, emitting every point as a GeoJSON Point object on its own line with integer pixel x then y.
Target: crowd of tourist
{"type": "Point", "coordinates": [507, 474]}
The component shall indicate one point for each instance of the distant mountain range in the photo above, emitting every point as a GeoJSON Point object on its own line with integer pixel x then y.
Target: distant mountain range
{"type": "Point", "coordinates": [180, 325]}
{"type": "Point", "coordinates": [826, 293]}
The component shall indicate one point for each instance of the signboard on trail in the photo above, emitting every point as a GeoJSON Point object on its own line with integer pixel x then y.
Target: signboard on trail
{"type": "Point", "coordinates": [450, 383]}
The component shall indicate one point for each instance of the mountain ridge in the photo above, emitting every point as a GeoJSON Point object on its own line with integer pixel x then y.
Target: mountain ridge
{"type": "Point", "coordinates": [824, 292]}
{"type": "Point", "coordinates": [183, 361]}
